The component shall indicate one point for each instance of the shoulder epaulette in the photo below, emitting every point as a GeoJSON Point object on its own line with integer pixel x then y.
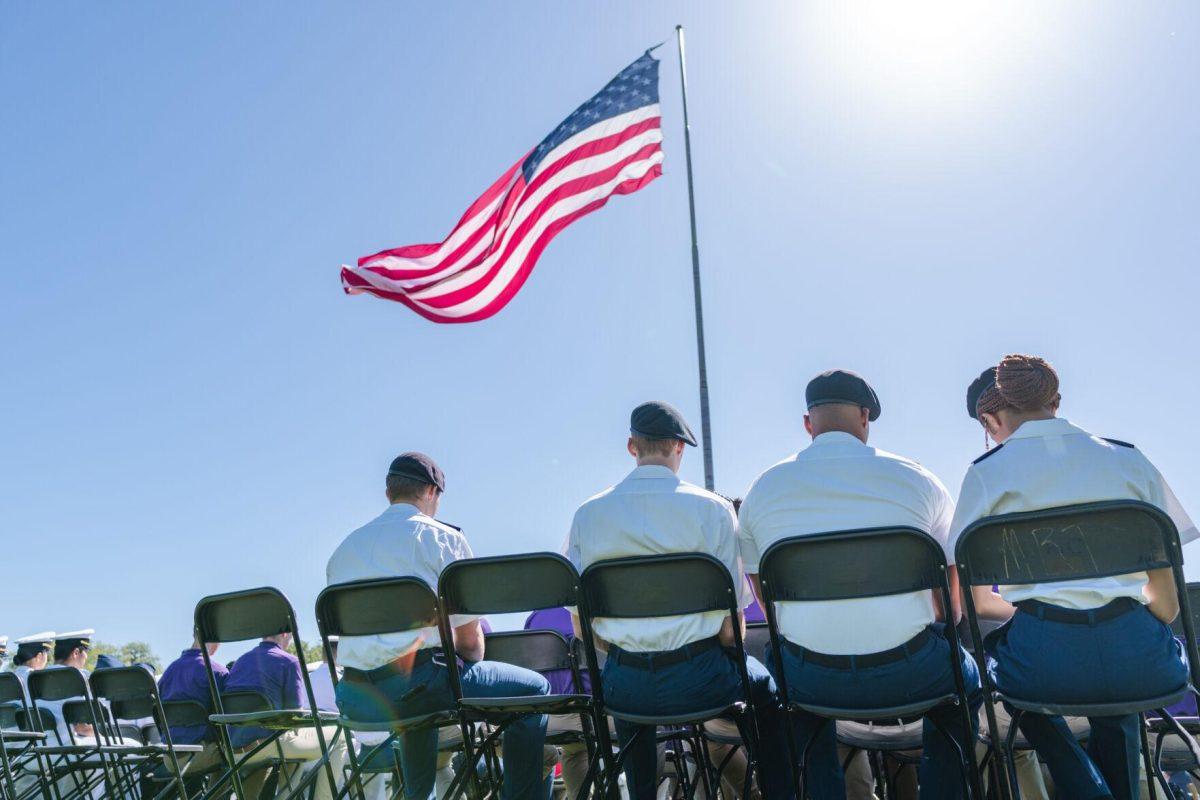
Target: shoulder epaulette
{"type": "Point", "coordinates": [989, 453]}
{"type": "Point", "coordinates": [1118, 442]}
{"type": "Point", "coordinates": [447, 524]}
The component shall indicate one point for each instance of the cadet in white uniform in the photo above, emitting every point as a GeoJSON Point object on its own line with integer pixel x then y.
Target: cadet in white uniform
{"type": "Point", "coordinates": [1076, 641]}
{"type": "Point", "coordinates": [867, 652]}
{"type": "Point", "coordinates": [70, 652]}
{"type": "Point", "coordinates": [33, 653]}
{"type": "Point", "coordinates": [401, 675]}
{"type": "Point", "coordinates": [678, 664]}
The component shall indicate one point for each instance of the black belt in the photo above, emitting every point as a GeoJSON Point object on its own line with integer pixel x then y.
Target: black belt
{"type": "Point", "coordinates": [665, 658]}
{"type": "Point", "coordinates": [1072, 616]}
{"type": "Point", "coordinates": [898, 653]}
{"type": "Point", "coordinates": [399, 666]}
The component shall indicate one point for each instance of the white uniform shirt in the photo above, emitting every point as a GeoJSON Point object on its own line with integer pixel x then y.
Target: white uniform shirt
{"type": "Point", "coordinates": [839, 483]}
{"type": "Point", "coordinates": [55, 707]}
{"type": "Point", "coordinates": [653, 512]}
{"type": "Point", "coordinates": [399, 542]}
{"type": "Point", "coordinates": [322, 686]}
{"type": "Point", "coordinates": [1048, 463]}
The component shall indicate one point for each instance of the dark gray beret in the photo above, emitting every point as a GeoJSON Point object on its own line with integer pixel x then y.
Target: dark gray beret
{"type": "Point", "coordinates": [659, 420]}
{"type": "Point", "coordinates": [842, 386]}
{"type": "Point", "coordinates": [419, 467]}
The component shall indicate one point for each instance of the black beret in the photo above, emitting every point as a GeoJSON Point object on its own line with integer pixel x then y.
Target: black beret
{"type": "Point", "coordinates": [842, 386]}
{"type": "Point", "coordinates": [659, 420]}
{"type": "Point", "coordinates": [985, 381]}
{"type": "Point", "coordinates": [419, 467]}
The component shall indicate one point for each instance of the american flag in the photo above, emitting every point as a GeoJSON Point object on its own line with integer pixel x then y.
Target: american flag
{"type": "Point", "coordinates": [612, 144]}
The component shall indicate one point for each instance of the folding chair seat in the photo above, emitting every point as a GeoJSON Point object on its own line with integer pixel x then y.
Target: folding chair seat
{"type": "Point", "coordinates": [900, 560]}
{"type": "Point", "coordinates": [371, 608]}
{"type": "Point", "coordinates": [510, 584]}
{"type": "Point", "coordinates": [674, 584]}
{"type": "Point", "coordinates": [245, 616]}
{"type": "Point", "coordinates": [1070, 543]}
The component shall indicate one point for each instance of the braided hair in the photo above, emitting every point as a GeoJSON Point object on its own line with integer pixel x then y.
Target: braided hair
{"type": "Point", "coordinates": [1023, 382]}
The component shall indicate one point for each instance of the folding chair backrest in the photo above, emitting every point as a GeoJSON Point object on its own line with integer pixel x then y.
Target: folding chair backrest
{"type": "Point", "coordinates": [1090, 540]}
{"type": "Point", "coordinates": [130, 691]}
{"type": "Point", "coordinates": [835, 566]}
{"type": "Point", "coordinates": [540, 651]}
{"type": "Point", "coordinates": [667, 585]}
{"type": "Point", "coordinates": [245, 702]}
{"type": "Point", "coordinates": [45, 720]}
{"type": "Point", "coordinates": [58, 683]}
{"type": "Point", "coordinates": [8, 715]}
{"type": "Point", "coordinates": [758, 636]}
{"type": "Point", "coordinates": [377, 606]}
{"type": "Point", "coordinates": [506, 584]}
{"type": "Point", "coordinates": [10, 688]}
{"type": "Point", "coordinates": [185, 713]}
{"type": "Point", "coordinates": [77, 712]}
{"type": "Point", "coordinates": [248, 614]}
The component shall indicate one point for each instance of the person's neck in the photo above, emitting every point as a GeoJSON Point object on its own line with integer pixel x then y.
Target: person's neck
{"type": "Point", "coordinates": [423, 506]}
{"type": "Point", "coordinates": [859, 434]}
{"type": "Point", "coordinates": [656, 461]}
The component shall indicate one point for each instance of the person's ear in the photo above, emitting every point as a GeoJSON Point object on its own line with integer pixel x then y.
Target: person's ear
{"type": "Point", "coordinates": [1055, 402]}
{"type": "Point", "coordinates": [629, 446]}
{"type": "Point", "coordinates": [990, 423]}
{"type": "Point", "coordinates": [680, 446]}
{"type": "Point", "coordinates": [808, 424]}
{"type": "Point", "coordinates": [864, 417]}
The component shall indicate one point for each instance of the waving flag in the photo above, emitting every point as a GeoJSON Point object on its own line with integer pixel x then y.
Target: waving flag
{"type": "Point", "coordinates": [612, 144]}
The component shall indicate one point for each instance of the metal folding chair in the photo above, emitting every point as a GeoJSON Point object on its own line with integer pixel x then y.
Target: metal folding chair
{"type": "Point", "coordinates": [371, 608]}
{"type": "Point", "coordinates": [17, 758]}
{"type": "Point", "coordinates": [243, 616]}
{"type": "Point", "coordinates": [832, 566]}
{"type": "Point", "coordinates": [132, 694]}
{"type": "Point", "coordinates": [673, 584]}
{"type": "Point", "coordinates": [1078, 542]}
{"type": "Point", "coordinates": [508, 584]}
{"type": "Point", "coordinates": [82, 762]}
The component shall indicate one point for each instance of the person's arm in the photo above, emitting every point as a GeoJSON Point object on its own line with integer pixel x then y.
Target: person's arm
{"type": "Point", "coordinates": [725, 635]}
{"type": "Point", "coordinates": [1163, 594]}
{"type": "Point", "coordinates": [601, 645]}
{"type": "Point", "coordinates": [468, 641]}
{"type": "Point", "coordinates": [955, 598]}
{"type": "Point", "coordinates": [990, 605]}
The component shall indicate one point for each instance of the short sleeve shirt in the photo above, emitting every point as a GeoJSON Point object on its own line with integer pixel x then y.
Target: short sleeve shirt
{"type": "Point", "coordinates": [1049, 463]}
{"type": "Point", "coordinates": [840, 483]}
{"type": "Point", "coordinates": [652, 512]}
{"type": "Point", "coordinates": [401, 541]}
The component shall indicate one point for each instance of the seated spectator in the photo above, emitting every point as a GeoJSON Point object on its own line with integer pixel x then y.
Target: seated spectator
{"type": "Point", "coordinates": [274, 672]}
{"type": "Point", "coordinates": [186, 678]}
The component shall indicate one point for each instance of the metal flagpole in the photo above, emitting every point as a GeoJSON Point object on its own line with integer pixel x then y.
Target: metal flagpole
{"type": "Point", "coordinates": [705, 424]}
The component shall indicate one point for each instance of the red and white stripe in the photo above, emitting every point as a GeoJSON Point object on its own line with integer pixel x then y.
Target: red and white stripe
{"type": "Point", "coordinates": [485, 260]}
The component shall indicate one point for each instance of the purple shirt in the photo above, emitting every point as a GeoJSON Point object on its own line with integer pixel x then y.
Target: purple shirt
{"type": "Point", "coordinates": [558, 619]}
{"type": "Point", "coordinates": [187, 679]}
{"type": "Point", "coordinates": [269, 670]}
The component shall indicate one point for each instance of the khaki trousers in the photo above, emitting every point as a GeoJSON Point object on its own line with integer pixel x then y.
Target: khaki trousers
{"type": "Point", "coordinates": [300, 745]}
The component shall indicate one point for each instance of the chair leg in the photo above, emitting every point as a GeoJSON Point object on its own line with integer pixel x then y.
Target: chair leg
{"type": "Point", "coordinates": [1152, 774]}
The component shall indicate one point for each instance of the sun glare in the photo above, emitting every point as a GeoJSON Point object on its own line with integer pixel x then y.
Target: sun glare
{"type": "Point", "coordinates": [928, 55]}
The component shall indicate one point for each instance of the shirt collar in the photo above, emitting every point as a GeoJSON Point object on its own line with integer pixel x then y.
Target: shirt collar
{"type": "Point", "coordinates": [1041, 428]}
{"type": "Point", "coordinates": [191, 651]}
{"type": "Point", "coordinates": [269, 645]}
{"type": "Point", "coordinates": [837, 437]}
{"type": "Point", "coordinates": [403, 509]}
{"type": "Point", "coordinates": [651, 471]}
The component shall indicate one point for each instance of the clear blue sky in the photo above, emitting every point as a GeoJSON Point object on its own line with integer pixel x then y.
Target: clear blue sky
{"type": "Point", "coordinates": [189, 404]}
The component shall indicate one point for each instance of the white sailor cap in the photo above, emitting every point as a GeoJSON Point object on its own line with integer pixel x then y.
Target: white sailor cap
{"type": "Point", "coordinates": [29, 646]}
{"type": "Point", "coordinates": [3, 645]}
{"type": "Point", "coordinates": [81, 638]}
